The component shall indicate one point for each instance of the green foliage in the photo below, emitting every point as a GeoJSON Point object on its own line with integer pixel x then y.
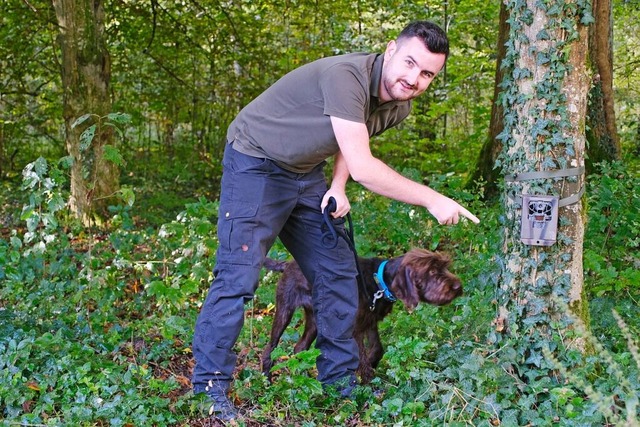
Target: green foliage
{"type": "Point", "coordinates": [611, 258]}
{"type": "Point", "coordinates": [79, 348]}
{"type": "Point", "coordinates": [618, 404]}
{"type": "Point", "coordinates": [95, 328]}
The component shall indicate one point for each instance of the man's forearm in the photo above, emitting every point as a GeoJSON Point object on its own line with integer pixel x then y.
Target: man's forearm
{"type": "Point", "coordinates": [340, 173]}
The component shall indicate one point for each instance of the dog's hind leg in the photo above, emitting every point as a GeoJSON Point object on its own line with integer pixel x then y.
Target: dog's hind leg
{"type": "Point", "coordinates": [310, 330]}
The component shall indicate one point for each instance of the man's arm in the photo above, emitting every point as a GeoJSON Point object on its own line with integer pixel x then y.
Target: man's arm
{"type": "Point", "coordinates": [338, 187]}
{"type": "Point", "coordinates": [376, 176]}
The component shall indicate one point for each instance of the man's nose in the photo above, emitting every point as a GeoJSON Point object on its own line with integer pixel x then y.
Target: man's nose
{"type": "Point", "coordinates": [413, 77]}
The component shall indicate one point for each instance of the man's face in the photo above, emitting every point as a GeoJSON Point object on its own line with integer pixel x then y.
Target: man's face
{"type": "Point", "coordinates": [408, 70]}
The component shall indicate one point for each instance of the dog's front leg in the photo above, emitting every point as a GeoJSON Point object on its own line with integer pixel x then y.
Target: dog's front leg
{"type": "Point", "coordinates": [365, 370]}
{"type": "Point", "coordinates": [376, 351]}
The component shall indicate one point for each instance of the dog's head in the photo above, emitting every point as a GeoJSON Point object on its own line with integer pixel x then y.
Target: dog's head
{"type": "Point", "coordinates": [424, 276]}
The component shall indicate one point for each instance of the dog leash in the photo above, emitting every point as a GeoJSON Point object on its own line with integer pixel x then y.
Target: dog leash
{"type": "Point", "coordinates": [329, 240]}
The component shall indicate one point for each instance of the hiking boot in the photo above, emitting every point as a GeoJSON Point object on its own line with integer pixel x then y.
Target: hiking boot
{"type": "Point", "coordinates": [344, 386]}
{"type": "Point", "coordinates": [217, 403]}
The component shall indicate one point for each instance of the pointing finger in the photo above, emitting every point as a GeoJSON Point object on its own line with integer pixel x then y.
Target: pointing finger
{"type": "Point", "coordinates": [469, 215]}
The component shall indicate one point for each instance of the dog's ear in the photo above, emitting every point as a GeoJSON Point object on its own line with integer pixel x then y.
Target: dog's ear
{"type": "Point", "coordinates": [404, 289]}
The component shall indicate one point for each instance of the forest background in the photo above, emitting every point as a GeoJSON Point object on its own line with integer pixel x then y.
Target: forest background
{"type": "Point", "coordinates": [98, 300]}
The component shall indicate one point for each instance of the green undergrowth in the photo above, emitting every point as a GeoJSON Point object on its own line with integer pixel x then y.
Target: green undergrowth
{"type": "Point", "coordinates": [95, 325]}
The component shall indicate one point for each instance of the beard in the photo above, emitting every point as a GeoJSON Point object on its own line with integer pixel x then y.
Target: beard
{"type": "Point", "coordinates": [399, 90]}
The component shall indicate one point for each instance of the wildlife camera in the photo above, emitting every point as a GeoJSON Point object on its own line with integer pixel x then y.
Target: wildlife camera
{"type": "Point", "coordinates": [539, 225]}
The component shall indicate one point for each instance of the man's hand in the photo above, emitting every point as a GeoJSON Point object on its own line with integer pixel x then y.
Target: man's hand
{"type": "Point", "coordinates": [448, 211]}
{"type": "Point", "coordinates": [358, 162]}
{"type": "Point", "coordinates": [342, 203]}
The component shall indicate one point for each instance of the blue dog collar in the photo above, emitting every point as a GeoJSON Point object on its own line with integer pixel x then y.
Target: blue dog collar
{"type": "Point", "coordinates": [379, 279]}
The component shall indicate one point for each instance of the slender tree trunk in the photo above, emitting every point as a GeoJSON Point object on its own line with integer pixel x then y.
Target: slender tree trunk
{"type": "Point", "coordinates": [2, 150]}
{"type": "Point", "coordinates": [86, 71]}
{"type": "Point", "coordinates": [544, 103]}
{"type": "Point", "coordinates": [602, 135]}
{"type": "Point", "coordinates": [486, 169]}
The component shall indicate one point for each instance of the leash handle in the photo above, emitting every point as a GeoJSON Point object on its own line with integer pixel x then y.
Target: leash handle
{"type": "Point", "coordinates": [332, 205]}
{"type": "Point", "coordinates": [329, 237]}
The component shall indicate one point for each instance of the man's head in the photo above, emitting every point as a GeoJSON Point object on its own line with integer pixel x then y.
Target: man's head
{"type": "Point", "coordinates": [412, 61]}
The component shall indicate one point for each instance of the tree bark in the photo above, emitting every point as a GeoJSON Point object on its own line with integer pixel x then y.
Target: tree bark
{"type": "Point", "coordinates": [544, 104]}
{"type": "Point", "coordinates": [602, 134]}
{"type": "Point", "coordinates": [86, 72]}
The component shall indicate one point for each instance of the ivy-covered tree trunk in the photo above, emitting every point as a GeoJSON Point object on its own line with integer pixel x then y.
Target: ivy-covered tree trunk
{"type": "Point", "coordinates": [602, 135]}
{"type": "Point", "coordinates": [544, 103]}
{"type": "Point", "coordinates": [86, 71]}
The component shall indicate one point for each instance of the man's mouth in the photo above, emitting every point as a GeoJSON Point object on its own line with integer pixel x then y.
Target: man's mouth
{"type": "Point", "coordinates": [406, 86]}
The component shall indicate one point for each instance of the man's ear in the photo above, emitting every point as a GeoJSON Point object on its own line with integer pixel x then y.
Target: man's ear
{"type": "Point", "coordinates": [390, 50]}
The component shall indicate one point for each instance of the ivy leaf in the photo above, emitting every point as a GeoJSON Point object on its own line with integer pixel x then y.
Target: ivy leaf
{"type": "Point", "coordinates": [587, 18]}
{"type": "Point", "coordinates": [503, 136]}
{"type": "Point", "coordinates": [542, 58]}
{"type": "Point", "coordinates": [543, 35]}
{"type": "Point", "coordinates": [554, 10]}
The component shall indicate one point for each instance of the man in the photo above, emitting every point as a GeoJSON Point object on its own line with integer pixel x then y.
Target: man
{"type": "Point", "coordinates": [273, 186]}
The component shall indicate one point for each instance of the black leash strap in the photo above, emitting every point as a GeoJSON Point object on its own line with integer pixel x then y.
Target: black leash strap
{"type": "Point", "coordinates": [330, 235]}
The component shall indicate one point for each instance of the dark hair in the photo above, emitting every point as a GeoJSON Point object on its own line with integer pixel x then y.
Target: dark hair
{"type": "Point", "coordinates": [433, 37]}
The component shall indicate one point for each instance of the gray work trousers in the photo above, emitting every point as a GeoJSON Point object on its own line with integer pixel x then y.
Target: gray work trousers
{"type": "Point", "coordinates": [260, 201]}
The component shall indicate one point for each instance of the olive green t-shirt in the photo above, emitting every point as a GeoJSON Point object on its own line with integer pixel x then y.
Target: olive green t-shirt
{"type": "Point", "coordinates": [290, 123]}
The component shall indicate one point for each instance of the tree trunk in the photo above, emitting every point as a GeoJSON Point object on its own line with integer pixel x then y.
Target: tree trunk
{"type": "Point", "coordinates": [486, 169]}
{"type": "Point", "coordinates": [601, 131]}
{"type": "Point", "coordinates": [86, 71]}
{"type": "Point", "coordinates": [544, 103]}
{"type": "Point", "coordinates": [602, 135]}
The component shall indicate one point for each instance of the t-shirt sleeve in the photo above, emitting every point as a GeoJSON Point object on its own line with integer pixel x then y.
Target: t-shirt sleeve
{"type": "Point", "coordinates": [344, 95]}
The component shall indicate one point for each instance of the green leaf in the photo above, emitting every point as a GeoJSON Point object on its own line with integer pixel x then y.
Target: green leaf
{"type": "Point", "coordinates": [26, 213]}
{"type": "Point", "coordinates": [113, 155]}
{"type": "Point", "coordinates": [127, 195]}
{"type": "Point", "coordinates": [41, 167]}
{"type": "Point", "coordinates": [87, 137]}
{"type": "Point", "coordinates": [80, 120]}
{"type": "Point", "coordinates": [120, 118]}
{"type": "Point", "coordinates": [66, 162]}
{"type": "Point", "coordinates": [543, 35]}
{"type": "Point", "coordinates": [56, 203]}
{"type": "Point", "coordinates": [587, 18]}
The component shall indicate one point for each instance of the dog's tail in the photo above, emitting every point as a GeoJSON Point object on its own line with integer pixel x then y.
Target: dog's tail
{"type": "Point", "coordinates": [274, 265]}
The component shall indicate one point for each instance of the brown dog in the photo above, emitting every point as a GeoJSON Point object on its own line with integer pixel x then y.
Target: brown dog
{"type": "Point", "coordinates": [419, 275]}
